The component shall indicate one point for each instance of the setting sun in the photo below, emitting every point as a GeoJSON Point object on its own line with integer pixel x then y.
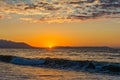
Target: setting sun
{"type": "Point", "coordinates": [50, 46]}
{"type": "Point", "coordinates": [59, 39]}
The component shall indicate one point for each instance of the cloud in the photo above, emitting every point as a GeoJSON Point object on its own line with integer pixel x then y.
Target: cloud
{"type": "Point", "coordinates": [60, 10]}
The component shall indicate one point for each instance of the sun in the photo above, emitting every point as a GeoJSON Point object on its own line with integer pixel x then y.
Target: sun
{"type": "Point", "coordinates": [50, 46]}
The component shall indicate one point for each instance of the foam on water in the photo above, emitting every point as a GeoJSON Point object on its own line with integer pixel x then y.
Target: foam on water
{"type": "Point", "coordinates": [76, 65]}
{"type": "Point", "coordinates": [24, 61]}
{"type": "Point", "coordinates": [59, 64]}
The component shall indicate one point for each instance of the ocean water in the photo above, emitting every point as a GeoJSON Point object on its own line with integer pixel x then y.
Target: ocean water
{"type": "Point", "coordinates": [58, 64]}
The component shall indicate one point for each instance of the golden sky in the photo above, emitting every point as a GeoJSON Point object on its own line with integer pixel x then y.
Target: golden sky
{"type": "Point", "coordinates": [61, 22]}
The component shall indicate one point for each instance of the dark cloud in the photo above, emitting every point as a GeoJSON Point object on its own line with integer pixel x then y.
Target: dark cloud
{"type": "Point", "coordinates": [61, 9]}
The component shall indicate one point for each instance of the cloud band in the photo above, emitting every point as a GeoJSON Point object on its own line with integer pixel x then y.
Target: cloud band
{"type": "Point", "coordinates": [58, 10]}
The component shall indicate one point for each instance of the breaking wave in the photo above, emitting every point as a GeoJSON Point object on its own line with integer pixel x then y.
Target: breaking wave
{"type": "Point", "coordinates": [77, 65]}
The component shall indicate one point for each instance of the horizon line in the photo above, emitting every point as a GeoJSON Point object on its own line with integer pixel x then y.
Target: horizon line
{"type": "Point", "coordinates": [70, 46]}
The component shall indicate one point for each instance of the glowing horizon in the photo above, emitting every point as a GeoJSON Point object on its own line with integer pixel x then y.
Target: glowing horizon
{"type": "Point", "coordinates": [44, 23]}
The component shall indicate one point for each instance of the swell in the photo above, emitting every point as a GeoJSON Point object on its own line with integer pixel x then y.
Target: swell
{"type": "Point", "coordinates": [55, 63]}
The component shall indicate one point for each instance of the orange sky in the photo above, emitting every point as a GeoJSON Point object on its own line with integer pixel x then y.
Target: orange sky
{"type": "Point", "coordinates": [88, 33]}
{"type": "Point", "coordinates": [44, 23]}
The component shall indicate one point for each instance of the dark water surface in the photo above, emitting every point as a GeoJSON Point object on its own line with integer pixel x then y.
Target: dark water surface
{"type": "Point", "coordinates": [58, 64]}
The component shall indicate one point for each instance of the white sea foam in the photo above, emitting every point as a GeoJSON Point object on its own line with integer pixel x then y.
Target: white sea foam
{"type": "Point", "coordinates": [23, 61]}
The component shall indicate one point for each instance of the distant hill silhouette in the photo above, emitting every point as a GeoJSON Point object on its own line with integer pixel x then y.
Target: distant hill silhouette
{"type": "Point", "coordinates": [11, 44]}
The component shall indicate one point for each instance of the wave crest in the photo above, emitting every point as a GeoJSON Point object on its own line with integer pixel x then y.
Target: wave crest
{"type": "Point", "coordinates": [55, 63]}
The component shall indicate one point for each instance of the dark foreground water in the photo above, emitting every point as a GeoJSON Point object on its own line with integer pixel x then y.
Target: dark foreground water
{"type": "Point", "coordinates": [58, 64]}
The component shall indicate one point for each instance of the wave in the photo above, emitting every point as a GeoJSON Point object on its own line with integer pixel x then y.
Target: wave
{"type": "Point", "coordinates": [55, 63]}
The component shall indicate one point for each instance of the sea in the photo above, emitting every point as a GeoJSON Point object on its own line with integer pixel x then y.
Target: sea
{"type": "Point", "coordinates": [59, 64]}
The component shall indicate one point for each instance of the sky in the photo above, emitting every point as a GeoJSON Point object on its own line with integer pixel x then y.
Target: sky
{"type": "Point", "coordinates": [44, 23]}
